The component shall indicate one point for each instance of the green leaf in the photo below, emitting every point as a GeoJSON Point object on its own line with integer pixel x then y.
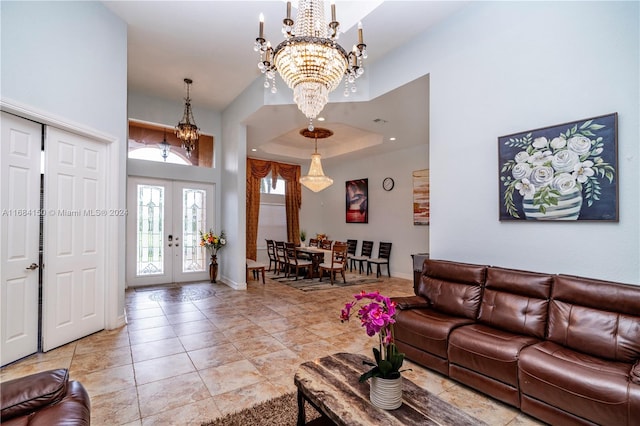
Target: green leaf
{"type": "Point", "coordinates": [587, 133]}
{"type": "Point", "coordinates": [586, 124]}
{"type": "Point", "coordinates": [595, 126]}
{"type": "Point", "coordinates": [589, 203]}
{"type": "Point", "coordinates": [574, 128]}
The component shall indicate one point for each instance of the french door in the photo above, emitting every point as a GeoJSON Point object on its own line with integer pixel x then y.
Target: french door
{"type": "Point", "coordinates": [163, 230]}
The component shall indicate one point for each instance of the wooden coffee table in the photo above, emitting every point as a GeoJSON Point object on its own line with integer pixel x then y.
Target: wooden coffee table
{"type": "Point", "coordinates": [331, 385]}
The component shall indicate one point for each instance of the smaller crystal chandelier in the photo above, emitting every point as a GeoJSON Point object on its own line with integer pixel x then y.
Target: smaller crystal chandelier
{"type": "Point", "coordinates": [186, 130]}
{"type": "Point", "coordinates": [315, 180]}
{"type": "Point", "coordinates": [164, 147]}
{"type": "Point", "coordinates": [310, 60]}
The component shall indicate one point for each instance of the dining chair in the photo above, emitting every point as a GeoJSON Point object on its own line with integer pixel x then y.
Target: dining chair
{"type": "Point", "coordinates": [313, 242]}
{"type": "Point", "coordinates": [326, 244]}
{"type": "Point", "coordinates": [338, 262]}
{"type": "Point", "coordinates": [281, 254]}
{"type": "Point", "coordinates": [365, 254]}
{"type": "Point", "coordinates": [352, 246]}
{"type": "Point", "coordinates": [384, 252]}
{"type": "Point", "coordinates": [293, 262]}
{"type": "Point", "coordinates": [271, 251]}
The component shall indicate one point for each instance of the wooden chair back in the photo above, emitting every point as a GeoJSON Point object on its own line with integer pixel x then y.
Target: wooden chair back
{"type": "Point", "coordinates": [367, 248]}
{"type": "Point", "coordinates": [326, 244]}
{"type": "Point", "coordinates": [352, 246]}
{"type": "Point", "coordinates": [313, 242]}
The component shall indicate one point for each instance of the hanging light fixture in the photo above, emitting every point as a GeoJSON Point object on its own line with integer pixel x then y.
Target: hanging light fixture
{"type": "Point", "coordinates": [186, 130]}
{"type": "Point", "coordinates": [310, 60]}
{"type": "Point", "coordinates": [164, 146]}
{"type": "Point", "coordinates": [315, 180]}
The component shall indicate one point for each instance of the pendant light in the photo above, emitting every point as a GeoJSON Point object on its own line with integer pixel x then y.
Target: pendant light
{"type": "Point", "coordinates": [315, 180]}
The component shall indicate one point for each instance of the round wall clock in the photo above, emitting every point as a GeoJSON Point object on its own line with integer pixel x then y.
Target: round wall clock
{"type": "Point", "coordinates": [387, 184]}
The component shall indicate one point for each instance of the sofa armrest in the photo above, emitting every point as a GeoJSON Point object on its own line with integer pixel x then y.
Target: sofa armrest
{"type": "Point", "coordinates": [635, 373]}
{"type": "Point", "coordinates": [22, 396]}
{"type": "Point", "coordinates": [411, 302]}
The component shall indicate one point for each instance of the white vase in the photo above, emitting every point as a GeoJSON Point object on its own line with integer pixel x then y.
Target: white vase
{"type": "Point", "coordinates": [568, 208]}
{"type": "Point", "coordinates": [386, 393]}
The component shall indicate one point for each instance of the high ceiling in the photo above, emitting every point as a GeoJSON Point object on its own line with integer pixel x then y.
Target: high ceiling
{"type": "Point", "coordinates": [211, 42]}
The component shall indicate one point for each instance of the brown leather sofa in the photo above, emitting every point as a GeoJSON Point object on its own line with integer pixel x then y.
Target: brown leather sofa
{"type": "Point", "coordinates": [48, 398]}
{"type": "Point", "coordinates": [563, 349]}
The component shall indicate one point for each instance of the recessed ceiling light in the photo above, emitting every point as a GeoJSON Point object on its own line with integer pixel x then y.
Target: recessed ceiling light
{"type": "Point", "coordinates": [392, 139]}
{"type": "Point", "coordinates": [320, 118]}
{"type": "Point", "coordinates": [253, 150]}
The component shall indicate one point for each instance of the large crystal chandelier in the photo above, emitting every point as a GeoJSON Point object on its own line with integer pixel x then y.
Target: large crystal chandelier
{"type": "Point", "coordinates": [315, 180]}
{"type": "Point", "coordinates": [186, 130]}
{"type": "Point", "coordinates": [310, 60]}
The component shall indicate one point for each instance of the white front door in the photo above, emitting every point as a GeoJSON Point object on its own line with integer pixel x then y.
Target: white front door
{"type": "Point", "coordinates": [20, 149]}
{"type": "Point", "coordinates": [163, 231]}
{"type": "Point", "coordinates": [75, 220]}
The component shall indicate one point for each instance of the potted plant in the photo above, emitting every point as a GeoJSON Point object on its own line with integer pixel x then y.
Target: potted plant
{"type": "Point", "coordinates": [213, 242]}
{"type": "Point", "coordinates": [378, 317]}
{"type": "Point", "coordinates": [303, 237]}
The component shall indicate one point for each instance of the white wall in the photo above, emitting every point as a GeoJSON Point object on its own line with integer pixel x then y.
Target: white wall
{"type": "Point", "coordinates": [68, 60]}
{"type": "Point", "coordinates": [501, 67]}
{"type": "Point", "coordinates": [390, 212]}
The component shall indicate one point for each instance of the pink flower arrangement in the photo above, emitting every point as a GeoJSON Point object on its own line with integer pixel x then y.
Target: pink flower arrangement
{"type": "Point", "coordinates": [378, 317]}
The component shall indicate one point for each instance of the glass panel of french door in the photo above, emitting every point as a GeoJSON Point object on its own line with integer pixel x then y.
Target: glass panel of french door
{"type": "Point", "coordinates": [163, 231]}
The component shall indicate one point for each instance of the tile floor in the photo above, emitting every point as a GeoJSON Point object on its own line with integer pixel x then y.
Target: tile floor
{"type": "Point", "coordinates": [182, 361]}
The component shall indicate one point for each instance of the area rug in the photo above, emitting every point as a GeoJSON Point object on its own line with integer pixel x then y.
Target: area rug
{"type": "Point", "coordinates": [315, 284]}
{"type": "Point", "coordinates": [280, 411]}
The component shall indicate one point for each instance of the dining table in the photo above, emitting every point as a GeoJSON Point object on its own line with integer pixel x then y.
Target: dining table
{"type": "Point", "coordinates": [317, 256]}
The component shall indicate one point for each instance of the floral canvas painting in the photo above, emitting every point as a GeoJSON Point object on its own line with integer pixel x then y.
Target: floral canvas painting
{"type": "Point", "coordinates": [562, 172]}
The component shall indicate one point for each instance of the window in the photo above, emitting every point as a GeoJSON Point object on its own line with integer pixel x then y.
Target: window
{"type": "Point", "coordinates": [266, 188]}
{"type": "Point", "coordinates": [272, 224]}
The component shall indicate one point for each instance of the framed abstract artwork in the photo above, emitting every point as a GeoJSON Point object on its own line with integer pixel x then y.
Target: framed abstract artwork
{"type": "Point", "coordinates": [564, 172]}
{"type": "Point", "coordinates": [421, 197]}
{"type": "Point", "coordinates": [357, 201]}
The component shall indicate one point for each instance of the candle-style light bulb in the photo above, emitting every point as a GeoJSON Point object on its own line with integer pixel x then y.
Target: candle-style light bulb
{"type": "Point", "coordinates": [333, 11]}
{"type": "Point", "coordinates": [360, 32]}
{"type": "Point", "coordinates": [261, 25]}
{"type": "Point", "coordinates": [288, 10]}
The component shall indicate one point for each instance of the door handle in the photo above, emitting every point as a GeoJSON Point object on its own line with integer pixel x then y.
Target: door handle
{"type": "Point", "coordinates": [170, 244]}
{"type": "Point", "coordinates": [32, 266]}
{"type": "Point", "coordinates": [177, 244]}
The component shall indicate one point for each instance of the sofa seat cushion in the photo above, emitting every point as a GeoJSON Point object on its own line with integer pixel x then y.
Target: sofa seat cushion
{"type": "Point", "coordinates": [587, 386]}
{"type": "Point", "coordinates": [427, 329]}
{"type": "Point", "coordinates": [488, 351]}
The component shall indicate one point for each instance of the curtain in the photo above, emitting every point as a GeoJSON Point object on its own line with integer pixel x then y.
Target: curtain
{"type": "Point", "coordinates": [293, 197]}
{"type": "Point", "coordinates": [258, 169]}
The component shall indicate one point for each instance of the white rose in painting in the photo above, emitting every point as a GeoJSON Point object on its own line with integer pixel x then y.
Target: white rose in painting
{"type": "Point", "coordinates": [563, 183]}
{"type": "Point", "coordinates": [540, 143]}
{"type": "Point", "coordinates": [539, 158]}
{"type": "Point", "coordinates": [579, 144]}
{"type": "Point", "coordinates": [521, 157]}
{"type": "Point", "coordinates": [521, 171]}
{"type": "Point", "coordinates": [541, 176]}
{"type": "Point", "coordinates": [223, 241]}
{"type": "Point", "coordinates": [558, 143]}
{"type": "Point", "coordinates": [565, 161]}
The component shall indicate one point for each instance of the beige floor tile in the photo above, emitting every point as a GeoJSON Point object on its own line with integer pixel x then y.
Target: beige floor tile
{"type": "Point", "coordinates": [215, 356]}
{"type": "Point", "coordinates": [162, 368]}
{"type": "Point", "coordinates": [194, 327]}
{"type": "Point", "coordinates": [246, 396]}
{"type": "Point", "coordinates": [134, 314]}
{"type": "Point", "coordinates": [193, 414]}
{"type": "Point", "coordinates": [313, 350]}
{"type": "Point", "coordinates": [228, 377]}
{"type": "Point", "coordinates": [171, 393]}
{"type": "Point", "coordinates": [295, 336]}
{"type": "Point", "coordinates": [182, 317]}
{"type": "Point", "coordinates": [241, 332]}
{"type": "Point", "coordinates": [192, 342]}
{"type": "Point", "coordinates": [146, 323]}
{"type": "Point", "coordinates": [96, 361]}
{"type": "Point", "coordinates": [257, 346]}
{"type": "Point", "coordinates": [277, 363]}
{"type": "Point", "coordinates": [17, 370]}
{"type": "Point", "coordinates": [108, 380]}
{"type": "Point", "coordinates": [156, 349]}
{"type": "Point", "coordinates": [150, 335]}
{"type": "Point", "coordinates": [115, 408]}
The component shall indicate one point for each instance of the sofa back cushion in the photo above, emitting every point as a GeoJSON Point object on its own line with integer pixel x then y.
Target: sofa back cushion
{"type": "Point", "coordinates": [24, 395]}
{"type": "Point", "coordinates": [452, 287]}
{"type": "Point", "coordinates": [596, 317]}
{"type": "Point", "coordinates": [516, 301]}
